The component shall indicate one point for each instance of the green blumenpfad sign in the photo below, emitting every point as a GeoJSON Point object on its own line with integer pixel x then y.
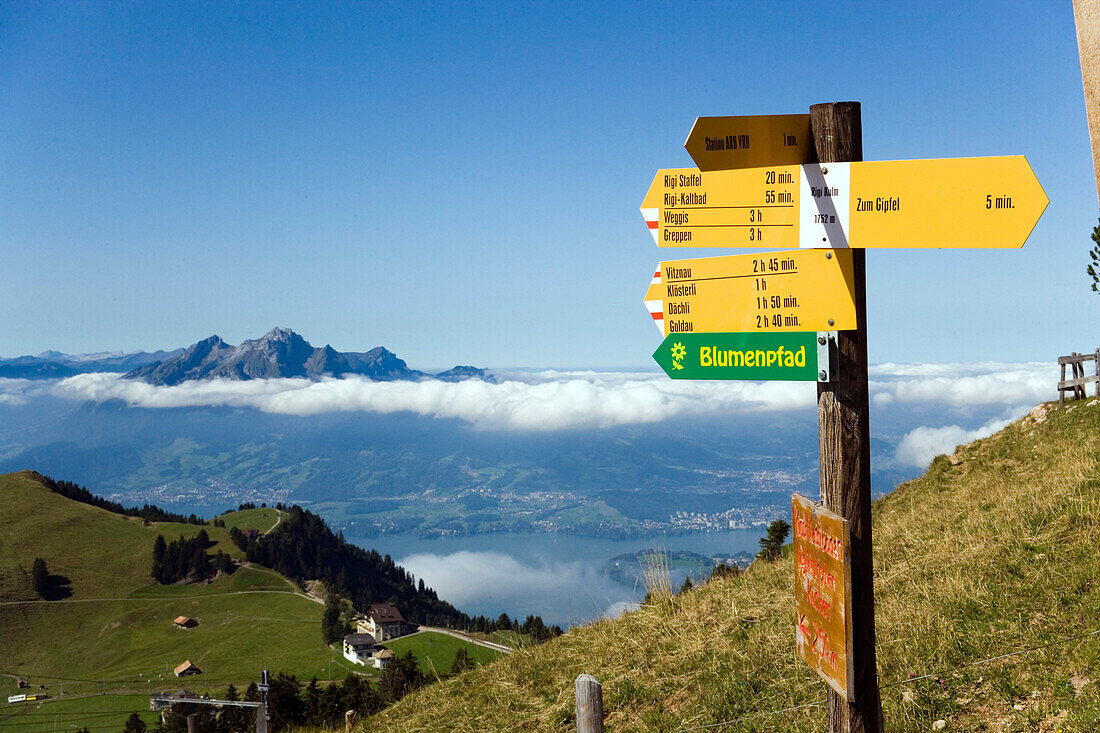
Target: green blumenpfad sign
{"type": "Point", "coordinates": [758, 356]}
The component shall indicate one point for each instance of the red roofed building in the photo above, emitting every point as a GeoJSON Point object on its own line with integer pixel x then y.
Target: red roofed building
{"type": "Point", "coordinates": [186, 669]}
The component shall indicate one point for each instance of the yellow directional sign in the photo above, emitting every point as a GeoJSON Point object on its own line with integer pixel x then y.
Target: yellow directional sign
{"type": "Point", "coordinates": [724, 143]}
{"type": "Point", "coordinates": [800, 290]}
{"type": "Point", "coordinates": [944, 203]}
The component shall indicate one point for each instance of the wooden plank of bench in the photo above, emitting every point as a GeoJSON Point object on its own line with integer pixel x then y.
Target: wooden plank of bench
{"type": "Point", "coordinates": [1070, 384]}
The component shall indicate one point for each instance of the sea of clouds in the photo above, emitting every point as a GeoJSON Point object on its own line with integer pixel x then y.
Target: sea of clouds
{"type": "Point", "coordinates": [559, 400]}
{"type": "Point", "coordinates": [467, 579]}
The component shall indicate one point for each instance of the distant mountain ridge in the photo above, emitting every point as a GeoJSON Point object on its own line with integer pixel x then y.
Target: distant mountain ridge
{"type": "Point", "coordinates": [56, 365]}
{"type": "Point", "coordinates": [279, 353]}
{"type": "Point", "coordinates": [283, 353]}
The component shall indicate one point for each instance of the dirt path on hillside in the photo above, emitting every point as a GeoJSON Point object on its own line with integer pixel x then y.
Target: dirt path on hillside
{"type": "Point", "coordinates": [278, 519]}
{"type": "Point", "coordinates": [175, 599]}
{"type": "Point", "coordinates": [466, 637]}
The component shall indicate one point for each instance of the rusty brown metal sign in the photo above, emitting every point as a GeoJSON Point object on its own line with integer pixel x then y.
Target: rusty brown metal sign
{"type": "Point", "coordinates": [823, 592]}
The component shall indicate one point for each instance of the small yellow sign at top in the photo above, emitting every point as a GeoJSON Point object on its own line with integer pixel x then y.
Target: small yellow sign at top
{"type": "Point", "coordinates": [725, 143]}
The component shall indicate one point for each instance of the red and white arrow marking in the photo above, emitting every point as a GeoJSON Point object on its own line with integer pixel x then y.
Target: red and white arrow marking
{"type": "Point", "coordinates": [656, 307]}
{"type": "Point", "coordinates": [651, 216]}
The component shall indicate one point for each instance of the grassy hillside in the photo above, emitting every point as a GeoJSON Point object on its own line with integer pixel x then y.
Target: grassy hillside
{"type": "Point", "coordinates": [261, 518]}
{"type": "Point", "coordinates": [436, 652]}
{"type": "Point", "coordinates": [990, 553]}
{"type": "Point", "coordinates": [114, 633]}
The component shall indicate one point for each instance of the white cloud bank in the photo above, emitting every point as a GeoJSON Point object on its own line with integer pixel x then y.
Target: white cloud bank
{"type": "Point", "coordinates": [467, 578]}
{"type": "Point", "coordinates": [546, 401]}
{"type": "Point", "coordinates": [961, 387]}
{"type": "Point", "coordinates": [20, 391]}
{"type": "Point", "coordinates": [552, 400]}
{"type": "Point", "coordinates": [964, 385]}
{"type": "Point", "coordinates": [921, 445]}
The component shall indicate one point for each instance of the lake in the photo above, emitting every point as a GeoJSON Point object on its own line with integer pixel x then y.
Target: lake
{"type": "Point", "coordinates": [559, 577]}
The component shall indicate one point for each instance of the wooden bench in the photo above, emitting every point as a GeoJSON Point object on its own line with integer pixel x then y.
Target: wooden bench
{"type": "Point", "coordinates": [1078, 380]}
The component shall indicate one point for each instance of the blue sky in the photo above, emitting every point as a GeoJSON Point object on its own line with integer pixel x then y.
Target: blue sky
{"type": "Point", "coordinates": [460, 182]}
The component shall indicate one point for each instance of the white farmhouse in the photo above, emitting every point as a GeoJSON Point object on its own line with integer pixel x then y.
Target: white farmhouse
{"type": "Point", "coordinates": [359, 648]}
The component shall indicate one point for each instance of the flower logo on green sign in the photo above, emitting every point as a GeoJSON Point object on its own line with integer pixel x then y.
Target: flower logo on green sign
{"type": "Point", "coordinates": [678, 353]}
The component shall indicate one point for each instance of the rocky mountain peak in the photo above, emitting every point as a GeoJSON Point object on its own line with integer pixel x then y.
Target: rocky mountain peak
{"type": "Point", "coordinates": [282, 353]}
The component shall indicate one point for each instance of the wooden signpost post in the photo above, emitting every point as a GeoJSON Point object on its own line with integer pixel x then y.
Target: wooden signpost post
{"type": "Point", "coordinates": [800, 181]}
{"type": "Point", "coordinates": [844, 445]}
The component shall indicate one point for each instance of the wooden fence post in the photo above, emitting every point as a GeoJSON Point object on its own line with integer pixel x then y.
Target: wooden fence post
{"type": "Point", "coordinates": [261, 719]}
{"type": "Point", "coordinates": [1061, 392]}
{"type": "Point", "coordinates": [589, 704]}
{"type": "Point", "coordinates": [844, 439]}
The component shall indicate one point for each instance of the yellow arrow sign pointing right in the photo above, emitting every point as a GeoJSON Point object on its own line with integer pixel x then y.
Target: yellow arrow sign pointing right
{"type": "Point", "coordinates": [941, 203]}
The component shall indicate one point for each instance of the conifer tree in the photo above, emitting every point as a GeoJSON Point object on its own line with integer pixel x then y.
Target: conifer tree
{"type": "Point", "coordinates": [462, 661]}
{"type": "Point", "coordinates": [332, 630]}
{"type": "Point", "coordinates": [160, 547]}
{"type": "Point", "coordinates": [40, 577]}
{"type": "Point", "coordinates": [771, 546]}
{"type": "Point", "coordinates": [1093, 268]}
{"type": "Point", "coordinates": [134, 724]}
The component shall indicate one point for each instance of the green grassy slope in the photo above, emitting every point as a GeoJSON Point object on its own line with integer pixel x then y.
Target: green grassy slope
{"type": "Point", "coordinates": [115, 552]}
{"type": "Point", "coordinates": [115, 632]}
{"type": "Point", "coordinates": [98, 712]}
{"type": "Point", "coordinates": [436, 652]}
{"type": "Point", "coordinates": [994, 553]}
{"type": "Point", "coordinates": [263, 519]}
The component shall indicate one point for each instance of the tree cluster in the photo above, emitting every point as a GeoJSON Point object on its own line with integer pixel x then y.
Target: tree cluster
{"type": "Point", "coordinates": [333, 625]}
{"type": "Point", "coordinates": [187, 559]}
{"type": "Point", "coordinates": [294, 705]}
{"type": "Point", "coordinates": [721, 570]}
{"type": "Point", "coordinates": [303, 548]}
{"type": "Point", "coordinates": [210, 719]}
{"type": "Point", "coordinates": [533, 626]}
{"type": "Point", "coordinates": [149, 512]}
